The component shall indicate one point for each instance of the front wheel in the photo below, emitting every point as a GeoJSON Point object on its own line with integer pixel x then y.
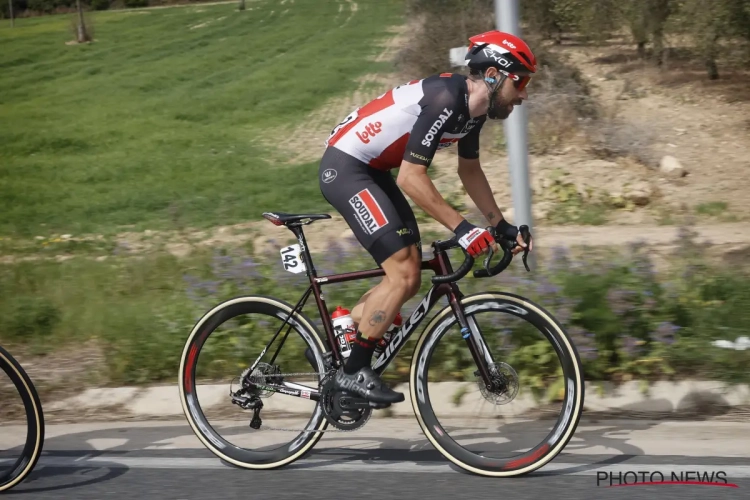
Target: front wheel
{"type": "Point", "coordinates": [16, 465]}
{"type": "Point", "coordinates": [542, 369]}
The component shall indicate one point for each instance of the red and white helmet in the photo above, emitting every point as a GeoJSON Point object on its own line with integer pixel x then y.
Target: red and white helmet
{"type": "Point", "coordinates": [507, 53]}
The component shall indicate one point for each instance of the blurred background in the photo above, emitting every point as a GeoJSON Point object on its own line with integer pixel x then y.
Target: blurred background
{"type": "Point", "coordinates": [141, 140]}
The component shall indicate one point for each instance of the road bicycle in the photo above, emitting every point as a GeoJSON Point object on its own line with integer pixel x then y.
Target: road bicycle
{"type": "Point", "coordinates": [13, 472]}
{"type": "Point", "coordinates": [497, 380]}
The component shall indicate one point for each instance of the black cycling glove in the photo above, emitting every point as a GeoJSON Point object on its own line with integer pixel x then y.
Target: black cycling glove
{"type": "Point", "coordinates": [506, 230]}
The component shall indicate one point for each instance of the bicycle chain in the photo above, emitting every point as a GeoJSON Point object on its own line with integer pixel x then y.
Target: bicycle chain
{"type": "Point", "coordinates": [307, 430]}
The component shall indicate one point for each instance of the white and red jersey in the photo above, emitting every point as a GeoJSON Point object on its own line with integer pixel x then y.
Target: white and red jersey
{"type": "Point", "coordinates": [411, 122]}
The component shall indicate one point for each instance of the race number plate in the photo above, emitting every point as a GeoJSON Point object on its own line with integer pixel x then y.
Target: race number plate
{"type": "Point", "coordinates": [292, 260]}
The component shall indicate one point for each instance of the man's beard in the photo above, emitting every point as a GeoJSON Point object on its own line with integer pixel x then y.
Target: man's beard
{"type": "Point", "coordinates": [499, 113]}
{"type": "Point", "coordinates": [502, 110]}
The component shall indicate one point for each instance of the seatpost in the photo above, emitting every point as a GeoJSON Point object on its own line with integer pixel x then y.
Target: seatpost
{"type": "Point", "coordinates": [297, 230]}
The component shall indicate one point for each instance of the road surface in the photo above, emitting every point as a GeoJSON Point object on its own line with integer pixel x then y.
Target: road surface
{"type": "Point", "coordinates": [387, 459]}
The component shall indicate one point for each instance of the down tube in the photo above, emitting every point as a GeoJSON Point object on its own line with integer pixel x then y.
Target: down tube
{"type": "Point", "coordinates": [402, 336]}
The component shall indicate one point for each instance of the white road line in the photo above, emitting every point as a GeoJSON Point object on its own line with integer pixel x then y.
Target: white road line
{"type": "Point", "coordinates": [578, 469]}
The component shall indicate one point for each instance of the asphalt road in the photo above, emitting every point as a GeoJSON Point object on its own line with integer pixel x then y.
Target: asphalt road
{"type": "Point", "coordinates": [161, 460]}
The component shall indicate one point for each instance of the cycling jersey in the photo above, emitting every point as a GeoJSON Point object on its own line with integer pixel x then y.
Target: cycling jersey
{"type": "Point", "coordinates": [411, 122]}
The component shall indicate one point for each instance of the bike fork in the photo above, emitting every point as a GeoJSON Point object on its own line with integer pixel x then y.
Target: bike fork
{"type": "Point", "coordinates": [473, 337]}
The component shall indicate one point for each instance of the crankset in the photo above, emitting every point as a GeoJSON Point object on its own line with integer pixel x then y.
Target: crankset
{"type": "Point", "coordinates": [344, 411]}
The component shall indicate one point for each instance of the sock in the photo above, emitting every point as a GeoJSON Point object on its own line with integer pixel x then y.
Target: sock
{"type": "Point", "coordinates": [361, 354]}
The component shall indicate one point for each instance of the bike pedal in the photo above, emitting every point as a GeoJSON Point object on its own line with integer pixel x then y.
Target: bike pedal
{"type": "Point", "coordinates": [379, 406]}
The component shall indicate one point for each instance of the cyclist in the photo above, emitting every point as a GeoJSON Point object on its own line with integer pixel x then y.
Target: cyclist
{"type": "Point", "coordinates": [403, 128]}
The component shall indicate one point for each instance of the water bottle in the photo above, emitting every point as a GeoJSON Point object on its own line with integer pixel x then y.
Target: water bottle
{"type": "Point", "coordinates": [387, 336]}
{"type": "Point", "coordinates": [343, 328]}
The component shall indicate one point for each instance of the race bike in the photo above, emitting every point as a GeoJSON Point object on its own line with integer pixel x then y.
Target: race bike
{"type": "Point", "coordinates": [457, 325]}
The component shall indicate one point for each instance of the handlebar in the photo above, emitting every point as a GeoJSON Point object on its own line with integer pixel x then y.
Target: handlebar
{"type": "Point", "coordinates": [468, 262]}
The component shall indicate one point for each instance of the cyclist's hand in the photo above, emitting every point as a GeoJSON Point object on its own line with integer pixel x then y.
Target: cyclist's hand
{"type": "Point", "coordinates": [473, 239]}
{"type": "Point", "coordinates": [522, 244]}
{"type": "Point", "coordinates": [510, 232]}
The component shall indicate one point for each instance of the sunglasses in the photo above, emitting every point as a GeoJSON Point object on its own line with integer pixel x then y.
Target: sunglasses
{"type": "Point", "coordinates": [519, 81]}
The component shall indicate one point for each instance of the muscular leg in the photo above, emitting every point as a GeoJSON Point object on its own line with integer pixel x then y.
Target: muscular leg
{"type": "Point", "coordinates": [359, 307]}
{"type": "Point", "coordinates": [402, 281]}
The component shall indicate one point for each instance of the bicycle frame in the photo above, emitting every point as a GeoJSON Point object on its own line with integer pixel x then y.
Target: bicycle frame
{"type": "Point", "coordinates": [440, 264]}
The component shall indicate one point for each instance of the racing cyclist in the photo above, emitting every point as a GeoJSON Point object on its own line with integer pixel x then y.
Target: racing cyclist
{"type": "Point", "coordinates": [403, 129]}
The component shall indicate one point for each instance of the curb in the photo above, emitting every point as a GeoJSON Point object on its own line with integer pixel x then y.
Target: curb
{"type": "Point", "coordinates": [450, 399]}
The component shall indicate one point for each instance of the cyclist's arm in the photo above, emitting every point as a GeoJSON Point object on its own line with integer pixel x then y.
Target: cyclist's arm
{"type": "Point", "coordinates": [414, 181]}
{"type": "Point", "coordinates": [472, 176]}
{"type": "Point", "coordinates": [478, 188]}
{"type": "Point", "coordinates": [437, 115]}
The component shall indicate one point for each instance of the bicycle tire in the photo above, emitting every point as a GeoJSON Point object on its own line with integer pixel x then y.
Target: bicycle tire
{"type": "Point", "coordinates": [220, 447]}
{"type": "Point", "coordinates": [567, 423]}
{"type": "Point", "coordinates": [32, 449]}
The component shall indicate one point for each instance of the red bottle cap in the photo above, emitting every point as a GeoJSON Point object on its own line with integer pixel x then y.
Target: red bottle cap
{"type": "Point", "coordinates": [339, 312]}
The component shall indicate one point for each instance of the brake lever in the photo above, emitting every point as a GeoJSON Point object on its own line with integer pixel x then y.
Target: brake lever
{"type": "Point", "coordinates": [526, 235]}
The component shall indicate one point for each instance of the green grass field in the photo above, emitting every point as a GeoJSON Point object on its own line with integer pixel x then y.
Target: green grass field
{"type": "Point", "coordinates": [156, 124]}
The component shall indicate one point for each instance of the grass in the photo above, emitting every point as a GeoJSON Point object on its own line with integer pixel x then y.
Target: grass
{"type": "Point", "coordinates": [155, 124]}
{"type": "Point", "coordinates": [712, 208]}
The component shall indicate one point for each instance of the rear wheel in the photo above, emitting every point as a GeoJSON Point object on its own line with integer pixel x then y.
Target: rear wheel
{"type": "Point", "coordinates": [544, 355]}
{"type": "Point", "coordinates": [240, 330]}
{"type": "Point", "coordinates": [17, 462]}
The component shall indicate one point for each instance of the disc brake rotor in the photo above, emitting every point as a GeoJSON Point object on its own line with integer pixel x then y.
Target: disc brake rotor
{"type": "Point", "coordinates": [504, 384]}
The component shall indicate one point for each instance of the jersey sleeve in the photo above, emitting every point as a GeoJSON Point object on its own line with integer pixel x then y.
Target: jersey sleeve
{"type": "Point", "coordinates": [438, 114]}
{"type": "Point", "coordinates": [468, 145]}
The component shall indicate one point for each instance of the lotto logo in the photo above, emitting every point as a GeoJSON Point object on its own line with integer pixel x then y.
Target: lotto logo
{"type": "Point", "coordinates": [369, 214]}
{"type": "Point", "coordinates": [371, 130]}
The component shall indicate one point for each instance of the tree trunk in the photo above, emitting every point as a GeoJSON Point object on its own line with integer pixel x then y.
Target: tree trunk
{"type": "Point", "coordinates": [641, 50]}
{"type": "Point", "coordinates": [83, 36]}
{"type": "Point", "coordinates": [659, 47]}
{"type": "Point", "coordinates": [712, 68]}
{"type": "Point", "coordinates": [242, 5]}
{"type": "Point", "coordinates": [10, 7]}
{"type": "Point", "coordinates": [711, 52]}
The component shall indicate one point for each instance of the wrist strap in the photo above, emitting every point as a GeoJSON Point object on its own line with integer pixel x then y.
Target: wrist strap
{"type": "Point", "coordinates": [463, 228]}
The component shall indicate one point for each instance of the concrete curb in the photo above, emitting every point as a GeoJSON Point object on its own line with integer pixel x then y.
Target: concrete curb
{"type": "Point", "coordinates": [454, 399]}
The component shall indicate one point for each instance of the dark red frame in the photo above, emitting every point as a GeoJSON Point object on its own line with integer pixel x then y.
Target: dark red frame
{"type": "Point", "coordinates": [440, 264]}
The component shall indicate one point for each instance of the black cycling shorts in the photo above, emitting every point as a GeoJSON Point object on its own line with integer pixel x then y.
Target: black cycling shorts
{"type": "Point", "coordinates": [371, 203]}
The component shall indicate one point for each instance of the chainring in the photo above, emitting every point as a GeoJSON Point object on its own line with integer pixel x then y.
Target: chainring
{"type": "Point", "coordinates": [504, 381]}
{"type": "Point", "coordinates": [333, 403]}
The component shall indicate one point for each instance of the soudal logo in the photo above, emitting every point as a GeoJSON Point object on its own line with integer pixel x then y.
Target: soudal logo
{"type": "Point", "coordinates": [427, 141]}
{"type": "Point", "coordinates": [371, 130]}
{"type": "Point", "coordinates": [367, 211]}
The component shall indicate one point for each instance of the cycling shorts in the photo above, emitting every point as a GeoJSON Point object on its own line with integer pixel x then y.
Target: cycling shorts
{"type": "Point", "coordinates": [371, 203]}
